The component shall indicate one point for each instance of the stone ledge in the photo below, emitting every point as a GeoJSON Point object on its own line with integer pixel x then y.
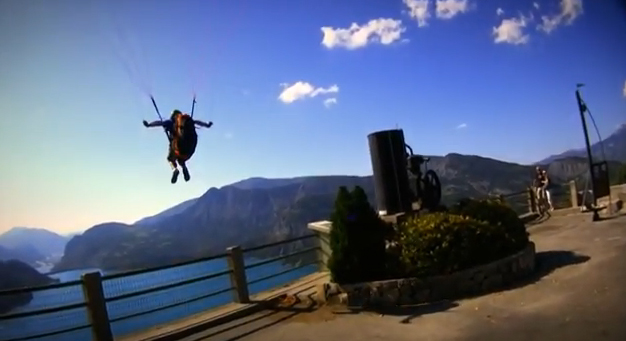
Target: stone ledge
{"type": "Point", "coordinates": [408, 291]}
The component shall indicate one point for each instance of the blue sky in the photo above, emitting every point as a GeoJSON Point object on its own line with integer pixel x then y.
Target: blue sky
{"type": "Point", "coordinates": [76, 153]}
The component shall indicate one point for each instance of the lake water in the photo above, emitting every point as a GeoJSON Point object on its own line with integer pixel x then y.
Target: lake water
{"type": "Point", "coordinates": [119, 311]}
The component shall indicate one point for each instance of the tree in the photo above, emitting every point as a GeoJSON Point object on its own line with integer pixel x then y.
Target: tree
{"type": "Point", "coordinates": [340, 262]}
{"type": "Point", "coordinates": [357, 239]}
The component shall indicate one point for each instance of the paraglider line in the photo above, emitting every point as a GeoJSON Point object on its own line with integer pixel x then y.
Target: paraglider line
{"type": "Point", "coordinates": [193, 105]}
{"type": "Point", "coordinates": [156, 108]}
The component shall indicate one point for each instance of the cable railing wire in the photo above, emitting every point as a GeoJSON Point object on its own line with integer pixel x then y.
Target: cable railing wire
{"type": "Point", "coordinates": [279, 258]}
{"type": "Point", "coordinates": [48, 334]}
{"type": "Point", "coordinates": [280, 273]}
{"type": "Point", "coordinates": [288, 241]}
{"type": "Point", "coordinates": [172, 305]}
{"type": "Point", "coordinates": [25, 290]}
{"type": "Point", "coordinates": [162, 267]}
{"type": "Point", "coordinates": [167, 286]}
{"type": "Point", "coordinates": [42, 311]}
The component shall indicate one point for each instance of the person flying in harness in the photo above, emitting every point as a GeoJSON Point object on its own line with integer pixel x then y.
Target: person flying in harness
{"type": "Point", "coordinates": [181, 132]}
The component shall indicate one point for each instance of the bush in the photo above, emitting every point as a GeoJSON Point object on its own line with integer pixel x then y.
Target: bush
{"type": "Point", "coordinates": [471, 233]}
{"type": "Point", "coordinates": [357, 239]}
{"type": "Point", "coordinates": [494, 212]}
{"type": "Point", "coordinates": [441, 243]}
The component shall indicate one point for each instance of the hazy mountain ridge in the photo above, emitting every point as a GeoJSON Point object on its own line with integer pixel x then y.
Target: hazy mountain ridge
{"type": "Point", "coordinates": [33, 246]}
{"type": "Point", "coordinates": [174, 210]}
{"type": "Point", "coordinates": [279, 209]}
{"type": "Point", "coordinates": [614, 148]}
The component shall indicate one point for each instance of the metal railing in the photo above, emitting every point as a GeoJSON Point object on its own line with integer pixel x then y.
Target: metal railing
{"type": "Point", "coordinates": [525, 201]}
{"type": "Point", "coordinates": [101, 299]}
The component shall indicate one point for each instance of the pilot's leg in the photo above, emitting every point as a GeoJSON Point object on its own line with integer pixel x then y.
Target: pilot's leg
{"type": "Point", "coordinates": [183, 165]}
{"type": "Point", "coordinates": [171, 158]}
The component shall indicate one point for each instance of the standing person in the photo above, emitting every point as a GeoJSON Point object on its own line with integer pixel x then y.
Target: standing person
{"type": "Point", "coordinates": [541, 183]}
{"type": "Point", "coordinates": [547, 185]}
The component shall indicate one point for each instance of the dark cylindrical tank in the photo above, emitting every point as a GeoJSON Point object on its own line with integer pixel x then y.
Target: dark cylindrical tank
{"type": "Point", "coordinates": [391, 183]}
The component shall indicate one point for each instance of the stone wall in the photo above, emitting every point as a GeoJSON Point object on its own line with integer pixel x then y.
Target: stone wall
{"type": "Point", "coordinates": [479, 280]}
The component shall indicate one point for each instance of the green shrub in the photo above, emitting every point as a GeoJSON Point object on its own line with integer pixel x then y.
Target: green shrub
{"type": "Point", "coordinates": [441, 243]}
{"type": "Point", "coordinates": [511, 228]}
{"type": "Point", "coordinates": [357, 239]}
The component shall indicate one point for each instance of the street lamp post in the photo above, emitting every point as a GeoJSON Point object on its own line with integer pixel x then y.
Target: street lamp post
{"type": "Point", "coordinates": [582, 108]}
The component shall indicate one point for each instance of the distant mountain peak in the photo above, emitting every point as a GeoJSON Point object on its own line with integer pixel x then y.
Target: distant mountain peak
{"type": "Point", "coordinates": [612, 147]}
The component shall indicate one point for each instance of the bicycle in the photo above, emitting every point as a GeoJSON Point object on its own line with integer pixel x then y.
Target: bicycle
{"type": "Point", "coordinates": [543, 206]}
{"type": "Point", "coordinates": [425, 186]}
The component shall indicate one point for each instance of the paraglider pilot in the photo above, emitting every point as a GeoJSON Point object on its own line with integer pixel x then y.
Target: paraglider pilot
{"type": "Point", "coordinates": [181, 132]}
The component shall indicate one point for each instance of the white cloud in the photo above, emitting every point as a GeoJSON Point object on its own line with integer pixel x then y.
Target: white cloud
{"type": "Point", "coordinates": [228, 135]}
{"type": "Point", "coordinates": [448, 9]}
{"type": "Point", "coordinates": [536, 5]}
{"type": "Point", "coordinates": [300, 90]}
{"type": "Point", "coordinates": [329, 102]}
{"type": "Point", "coordinates": [570, 10]}
{"type": "Point", "coordinates": [499, 11]}
{"type": "Point", "coordinates": [383, 31]}
{"type": "Point", "coordinates": [624, 90]}
{"type": "Point", "coordinates": [418, 10]}
{"type": "Point", "coordinates": [511, 31]}
{"type": "Point", "coordinates": [461, 126]}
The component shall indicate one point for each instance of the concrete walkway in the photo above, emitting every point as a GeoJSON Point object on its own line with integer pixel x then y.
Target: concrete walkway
{"type": "Point", "coordinates": [579, 293]}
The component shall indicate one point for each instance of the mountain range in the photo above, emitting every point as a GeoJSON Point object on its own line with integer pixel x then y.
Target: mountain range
{"type": "Point", "coordinates": [612, 148]}
{"type": "Point", "coordinates": [33, 246]}
{"type": "Point", "coordinates": [260, 210]}
{"type": "Point", "coordinates": [267, 210]}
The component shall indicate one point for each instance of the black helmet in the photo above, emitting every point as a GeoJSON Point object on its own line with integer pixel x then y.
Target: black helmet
{"type": "Point", "coordinates": [174, 113]}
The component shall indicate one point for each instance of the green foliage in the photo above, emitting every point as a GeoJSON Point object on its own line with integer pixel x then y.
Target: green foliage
{"type": "Point", "coordinates": [441, 243]}
{"type": "Point", "coordinates": [499, 214]}
{"type": "Point", "coordinates": [471, 233]}
{"type": "Point", "coordinates": [357, 239]}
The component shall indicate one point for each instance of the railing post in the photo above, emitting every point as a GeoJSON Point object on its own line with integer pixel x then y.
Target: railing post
{"type": "Point", "coordinates": [532, 202]}
{"type": "Point", "coordinates": [573, 193]}
{"type": "Point", "coordinates": [238, 279]}
{"type": "Point", "coordinates": [322, 237]}
{"type": "Point", "coordinates": [96, 307]}
{"type": "Point", "coordinates": [323, 251]}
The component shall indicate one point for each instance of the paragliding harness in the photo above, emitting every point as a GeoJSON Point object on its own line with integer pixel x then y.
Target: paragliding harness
{"type": "Point", "coordinates": [183, 137]}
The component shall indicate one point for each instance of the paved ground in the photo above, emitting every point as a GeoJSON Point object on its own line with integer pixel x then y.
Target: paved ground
{"type": "Point", "coordinates": [579, 293]}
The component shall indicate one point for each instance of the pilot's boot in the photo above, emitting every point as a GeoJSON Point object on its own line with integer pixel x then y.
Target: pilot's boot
{"type": "Point", "coordinates": [186, 175]}
{"type": "Point", "coordinates": [175, 175]}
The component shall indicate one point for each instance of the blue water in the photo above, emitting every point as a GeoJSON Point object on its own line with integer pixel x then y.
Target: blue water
{"type": "Point", "coordinates": [39, 324]}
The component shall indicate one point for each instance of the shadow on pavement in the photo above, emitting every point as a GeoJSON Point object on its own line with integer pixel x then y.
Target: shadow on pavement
{"type": "Point", "coordinates": [547, 262]}
{"type": "Point", "coordinates": [292, 306]}
{"type": "Point", "coordinates": [538, 219]}
{"type": "Point", "coordinates": [409, 312]}
{"type": "Point", "coordinates": [288, 308]}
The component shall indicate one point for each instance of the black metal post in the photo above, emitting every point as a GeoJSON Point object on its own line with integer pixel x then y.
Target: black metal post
{"type": "Point", "coordinates": [582, 108]}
